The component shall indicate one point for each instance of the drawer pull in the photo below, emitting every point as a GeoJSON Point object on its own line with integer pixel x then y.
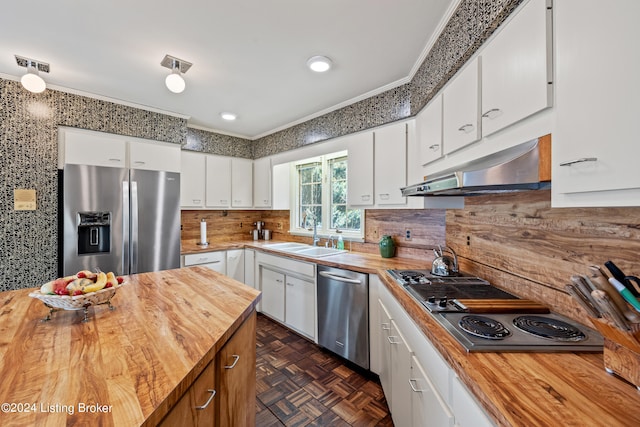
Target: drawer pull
{"type": "Point", "coordinates": [115, 160]}
{"type": "Point", "coordinates": [365, 197]}
{"type": "Point", "coordinates": [384, 196]}
{"type": "Point", "coordinates": [413, 387]}
{"type": "Point", "coordinates": [492, 114]}
{"type": "Point", "coordinates": [581, 160]}
{"type": "Point", "coordinates": [385, 327]}
{"type": "Point", "coordinates": [393, 340]}
{"type": "Point", "coordinates": [213, 393]}
{"type": "Point", "coordinates": [434, 147]}
{"type": "Point", "coordinates": [196, 201]}
{"type": "Point", "coordinates": [235, 362]}
{"type": "Point", "coordinates": [466, 128]}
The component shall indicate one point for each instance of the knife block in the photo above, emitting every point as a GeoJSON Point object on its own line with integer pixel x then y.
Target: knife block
{"type": "Point", "coordinates": [621, 350]}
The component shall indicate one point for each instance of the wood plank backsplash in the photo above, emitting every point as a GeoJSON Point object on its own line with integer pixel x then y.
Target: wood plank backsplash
{"type": "Point", "coordinates": [518, 242]}
{"type": "Point", "coordinates": [427, 228]}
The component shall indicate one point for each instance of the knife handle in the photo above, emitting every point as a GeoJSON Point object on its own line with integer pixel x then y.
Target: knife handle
{"type": "Point", "coordinates": [601, 281]}
{"type": "Point", "coordinates": [609, 310]}
{"type": "Point", "coordinates": [583, 301]}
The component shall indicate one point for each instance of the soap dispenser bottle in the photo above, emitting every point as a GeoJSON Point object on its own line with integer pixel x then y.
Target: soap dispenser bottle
{"type": "Point", "coordinates": [340, 243]}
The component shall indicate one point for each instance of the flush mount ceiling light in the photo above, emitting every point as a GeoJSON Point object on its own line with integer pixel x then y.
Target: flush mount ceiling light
{"type": "Point", "coordinates": [228, 116]}
{"type": "Point", "coordinates": [32, 80]}
{"type": "Point", "coordinates": [319, 64]}
{"type": "Point", "coordinates": [174, 81]}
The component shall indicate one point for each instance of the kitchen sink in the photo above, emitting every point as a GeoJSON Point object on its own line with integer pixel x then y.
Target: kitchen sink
{"type": "Point", "coordinates": [303, 249]}
{"type": "Point", "coordinates": [319, 251]}
{"type": "Point", "coordinates": [287, 246]}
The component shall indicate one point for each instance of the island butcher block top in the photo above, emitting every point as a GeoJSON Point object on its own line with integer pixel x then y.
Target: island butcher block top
{"type": "Point", "coordinates": [123, 367]}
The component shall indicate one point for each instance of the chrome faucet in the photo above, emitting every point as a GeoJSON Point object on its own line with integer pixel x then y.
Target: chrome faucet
{"type": "Point", "coordinates": [316, 239]}
{"type": "Point", "coordinates": [330, 240]}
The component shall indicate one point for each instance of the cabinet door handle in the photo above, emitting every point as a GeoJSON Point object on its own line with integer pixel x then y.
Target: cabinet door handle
{"type": "Point", "coordinates": [385, 326]}
{"type": "Point", "coordinates": [235, 362]}
{"type": "Point", "coordinates": [213, 393]}
{"type": "Point", "coordinates": [223, 201]}
{"type": "Point", "coordinates": [434, 147]}
{"type": "Point", "coordinates": [413, 387]}
{"type": "Point", "coordinates": [384, 196]}
{"type": "Point", "coordinates": [115, 160]}
{"type": "Point", "coordinates": [492, 114]}
{"type": "Point", "coordinates": [392, 340]}
{"type": "Point", "coordinates": [580, 160]}
{"type": "Point", "coordinates": [139, 162]}
{"type": "Point", "coordinates": [196, 201]}
{"type": "Point", "coordinates": [365, 197]}
{"type": "Point", "coordinates": [289, 284]}
{"type": "Point", "coordinates": [466, 128]}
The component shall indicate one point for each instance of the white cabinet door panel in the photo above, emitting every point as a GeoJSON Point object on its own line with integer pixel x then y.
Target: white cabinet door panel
{"type": "Point", "coordinates": [516, 69]}
{"type": "Point", "coordinates": [426, 403]}
{"type": "Point", "coordinates": [218, 182]}
{"type": "Point", "coordinates": [158, 157]}
{"type": "Point", "coordinates": [360, 170]}
{"type": "Point", "coordinates": [461, 109]}
{"type": "Point", "coordinates": [272, 283]}
{"type": "Point", "coordinates": [429, 131]}
{"type": "Point", "coordinates": [241, 183]}
{"type": "Point", "coordinates": [390, 164]}
{"type": "Point", "coordinates": [192, 179]}
{"type": "Point", "coordinates": [300, 304]}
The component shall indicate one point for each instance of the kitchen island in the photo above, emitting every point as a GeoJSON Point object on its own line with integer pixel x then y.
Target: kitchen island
{"type": "Point", "coordinates": [135, 364]}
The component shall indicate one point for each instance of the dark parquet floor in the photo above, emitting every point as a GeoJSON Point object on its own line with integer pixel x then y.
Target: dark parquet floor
{"type": "Point", "coordinates": [301, 384]}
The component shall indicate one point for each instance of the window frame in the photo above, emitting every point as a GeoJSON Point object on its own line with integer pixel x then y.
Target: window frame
{"type": "Point", "coordinates": [324, 231]}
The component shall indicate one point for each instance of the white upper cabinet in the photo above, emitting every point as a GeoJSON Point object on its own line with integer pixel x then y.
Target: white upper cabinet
{"type": "Point", "coordinates": [218, 182]}
{"type": "Point", "coordinates": [517, 68]}
{"type": "Point", "coordinates": [281, 179]}
{"type": "Point", "coordinates": [192, 180]}
{"type": "Point", "coordinates": [262, 183]}
{"type": "Point", "coordinates": [461, 109]}
{"type": "Point", "coordinates": [360, 170]}
{"type": "Point", "coordinates": [429, 131]}
{"type": "Point", "coordinates": [595, 146]}
{"type": "Point", "coordinates": [154, 156]}
{"type": "Point", "coordinates": [390, 164]}
{"type": "Point", "coordinates": [82, 147]}
{"type": "Point", "coordinates": [241, 183]}
{"type": "Point", "coordinates": [85, 147]}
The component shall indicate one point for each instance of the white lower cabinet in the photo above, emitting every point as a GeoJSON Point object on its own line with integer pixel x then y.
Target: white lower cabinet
{"type": "Point", "coordinates": [468, 413]}
{"type": "Point", "coordinates": [216, 261]}
{"type": "Point", "coordinates": [235, 264]}
{"type": "Point", "coordinates": [418, 384]}
{"type": "Point", "coordinates": [300, 305]}
{"type": "Point", "coordinates": [288, 292]}
{"type": "Point", "coordinates": [272, 287]}
{"type": "Point", "coordinates": [400, 359]}
{"type": "Point", "coordinates": [426, 403]}
{"type": "Point", "coordinates": [250, 267]}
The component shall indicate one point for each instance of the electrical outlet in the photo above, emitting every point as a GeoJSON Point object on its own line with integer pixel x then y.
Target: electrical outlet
{"type": "Point", "coordinates": [407, 235]}
{"type": "Point", "coordinates": [375, 232]}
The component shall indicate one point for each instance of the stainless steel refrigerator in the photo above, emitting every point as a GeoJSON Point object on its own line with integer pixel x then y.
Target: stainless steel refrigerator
{"type": "Point", "coordinates": [121, 220]}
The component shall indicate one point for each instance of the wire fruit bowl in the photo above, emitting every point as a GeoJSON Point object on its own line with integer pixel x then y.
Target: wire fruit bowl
{"type": "Point", "coordinates": [76, 302]}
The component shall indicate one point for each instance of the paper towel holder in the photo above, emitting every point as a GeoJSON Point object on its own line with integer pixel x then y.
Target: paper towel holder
{"type": "Point", "coordinates": [203, 234]}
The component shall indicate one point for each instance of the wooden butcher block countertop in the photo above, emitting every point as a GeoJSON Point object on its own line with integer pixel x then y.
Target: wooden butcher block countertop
{"type": "Point", "coordinates": [532, 389]}
{"type": "Point", "coordinates": [124, 367]}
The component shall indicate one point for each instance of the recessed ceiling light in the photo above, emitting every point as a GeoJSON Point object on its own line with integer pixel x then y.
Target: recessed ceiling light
{"type": "Point", "coordinates": [319, 64]}
{"type": "Point", "coordinates": [228, 116]}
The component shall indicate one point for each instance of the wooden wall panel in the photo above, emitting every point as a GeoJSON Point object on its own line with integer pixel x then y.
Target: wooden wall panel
{"type": "Point", "coordinates": [520, 243]}
{"type": "Point", "coordinates": [427, 228]}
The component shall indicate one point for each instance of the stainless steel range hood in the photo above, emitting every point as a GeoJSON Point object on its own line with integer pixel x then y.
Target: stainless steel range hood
{"type": "Point", "coordinates": [523, 167]}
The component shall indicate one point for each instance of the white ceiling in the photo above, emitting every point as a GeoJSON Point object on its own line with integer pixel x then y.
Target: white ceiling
{"type": "Point", "coordinates": [249, 56]}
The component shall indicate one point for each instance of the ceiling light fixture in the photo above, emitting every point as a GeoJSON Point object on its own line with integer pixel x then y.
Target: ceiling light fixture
{"type": "Point", "coordinates": [174, 81]}
{"type": "Point", "coordinates": [32, 80]}
{"type": "Point", "coordinates": [319, 64]}
{"type": "Point", "coordinates": [228, 116]}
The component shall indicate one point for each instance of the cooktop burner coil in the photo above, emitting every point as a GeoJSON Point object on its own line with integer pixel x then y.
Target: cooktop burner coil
{"type": "Point", "coordinates": [549, 328]}
{"type": "Point", "coordinates": [484, 327]}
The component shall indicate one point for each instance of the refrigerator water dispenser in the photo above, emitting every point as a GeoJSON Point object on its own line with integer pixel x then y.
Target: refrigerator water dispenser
{"type": "Point", "coordinates": [94, 232]}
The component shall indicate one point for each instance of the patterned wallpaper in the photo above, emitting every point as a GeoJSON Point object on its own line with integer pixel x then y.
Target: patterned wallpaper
{"type": "Point", "coordinates": [29, 122]}
{"type": "Point", "coordinates": [28, 160]}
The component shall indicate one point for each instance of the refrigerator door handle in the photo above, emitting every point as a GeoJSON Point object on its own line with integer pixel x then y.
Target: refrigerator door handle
{"type": "Point", "coordinates": [134, 227]}
{"type": "Point", "coordinates": [125, 228]}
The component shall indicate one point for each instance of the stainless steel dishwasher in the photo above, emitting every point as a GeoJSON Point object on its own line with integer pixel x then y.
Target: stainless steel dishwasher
{"type": "Point", "coordinates": [343, 313]}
